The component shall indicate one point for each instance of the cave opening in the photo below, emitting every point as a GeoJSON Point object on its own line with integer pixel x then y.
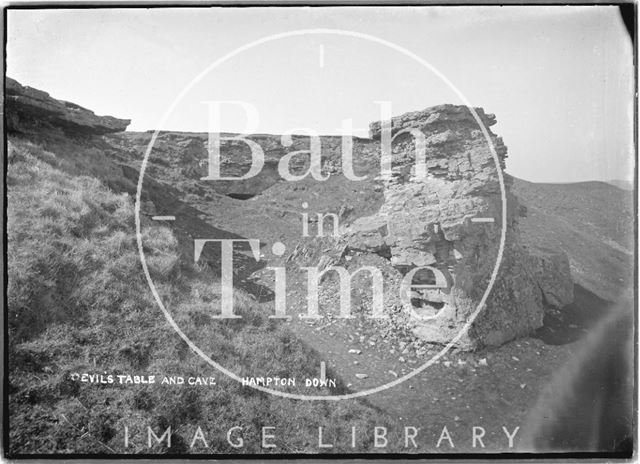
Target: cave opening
{"type": "Point", "coordinates": [241, 196]}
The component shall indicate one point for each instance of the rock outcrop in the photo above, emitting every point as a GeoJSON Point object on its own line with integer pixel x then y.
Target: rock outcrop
{"type": "Point", "coordinates": [186, 155]}
{"type": "Point", "coordinates": [27, 108]}
{"type": "Point", "coordinates": [428, 221]}
{"type": "Point", "coordinates": [420, 221]}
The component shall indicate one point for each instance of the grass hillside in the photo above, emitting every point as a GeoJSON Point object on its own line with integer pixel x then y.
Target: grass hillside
{"type": "Point", "coordinates": [593, 222]}
{"type": "Point", "coordinates": [622, 184]}
{"type": "Point", "coordinates": [78, 303]}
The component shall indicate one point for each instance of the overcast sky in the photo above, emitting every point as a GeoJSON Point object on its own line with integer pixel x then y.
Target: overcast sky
{"type": "Point", "coordinates": [559, 79]}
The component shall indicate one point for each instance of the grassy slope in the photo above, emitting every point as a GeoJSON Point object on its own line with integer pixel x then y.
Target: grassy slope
{"type": "Point", "coordinates": [78, 302]}
{"type": "Point", "coordinates": [592, 222]}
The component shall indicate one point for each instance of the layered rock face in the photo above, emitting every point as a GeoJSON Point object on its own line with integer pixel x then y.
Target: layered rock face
{"type": "Point", "coordinates": [428, 220]}
{"type": "Point", "coordinates": [185, 154]}
{"type": "Point", "coordinates": [27, 107]}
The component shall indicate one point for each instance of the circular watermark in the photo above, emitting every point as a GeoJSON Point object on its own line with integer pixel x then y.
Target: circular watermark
{"type": "Point", "coordinates": [278, 247]}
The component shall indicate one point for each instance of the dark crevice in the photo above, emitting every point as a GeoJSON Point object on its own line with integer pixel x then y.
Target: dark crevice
{"type": "Point", "coordinates": [572, 322]}
{"type": "Point", "coordinates": [241, 196]}
{"type": "Point", "coordinates": [421, 303]}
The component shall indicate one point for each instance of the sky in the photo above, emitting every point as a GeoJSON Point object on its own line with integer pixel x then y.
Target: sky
{"type": "Point", "coordinates": [559, 79]}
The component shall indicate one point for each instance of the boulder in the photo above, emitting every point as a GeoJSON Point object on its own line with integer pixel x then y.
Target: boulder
{"type": "Point", "coordinates": [551, 270]}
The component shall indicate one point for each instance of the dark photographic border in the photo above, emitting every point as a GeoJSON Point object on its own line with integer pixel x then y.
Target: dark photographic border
{"type": "Point", "coordinates": [628, 11]}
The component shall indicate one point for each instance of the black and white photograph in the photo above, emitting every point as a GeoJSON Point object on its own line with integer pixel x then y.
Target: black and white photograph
{"type": "Point", "coordinates": [286, 231]}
